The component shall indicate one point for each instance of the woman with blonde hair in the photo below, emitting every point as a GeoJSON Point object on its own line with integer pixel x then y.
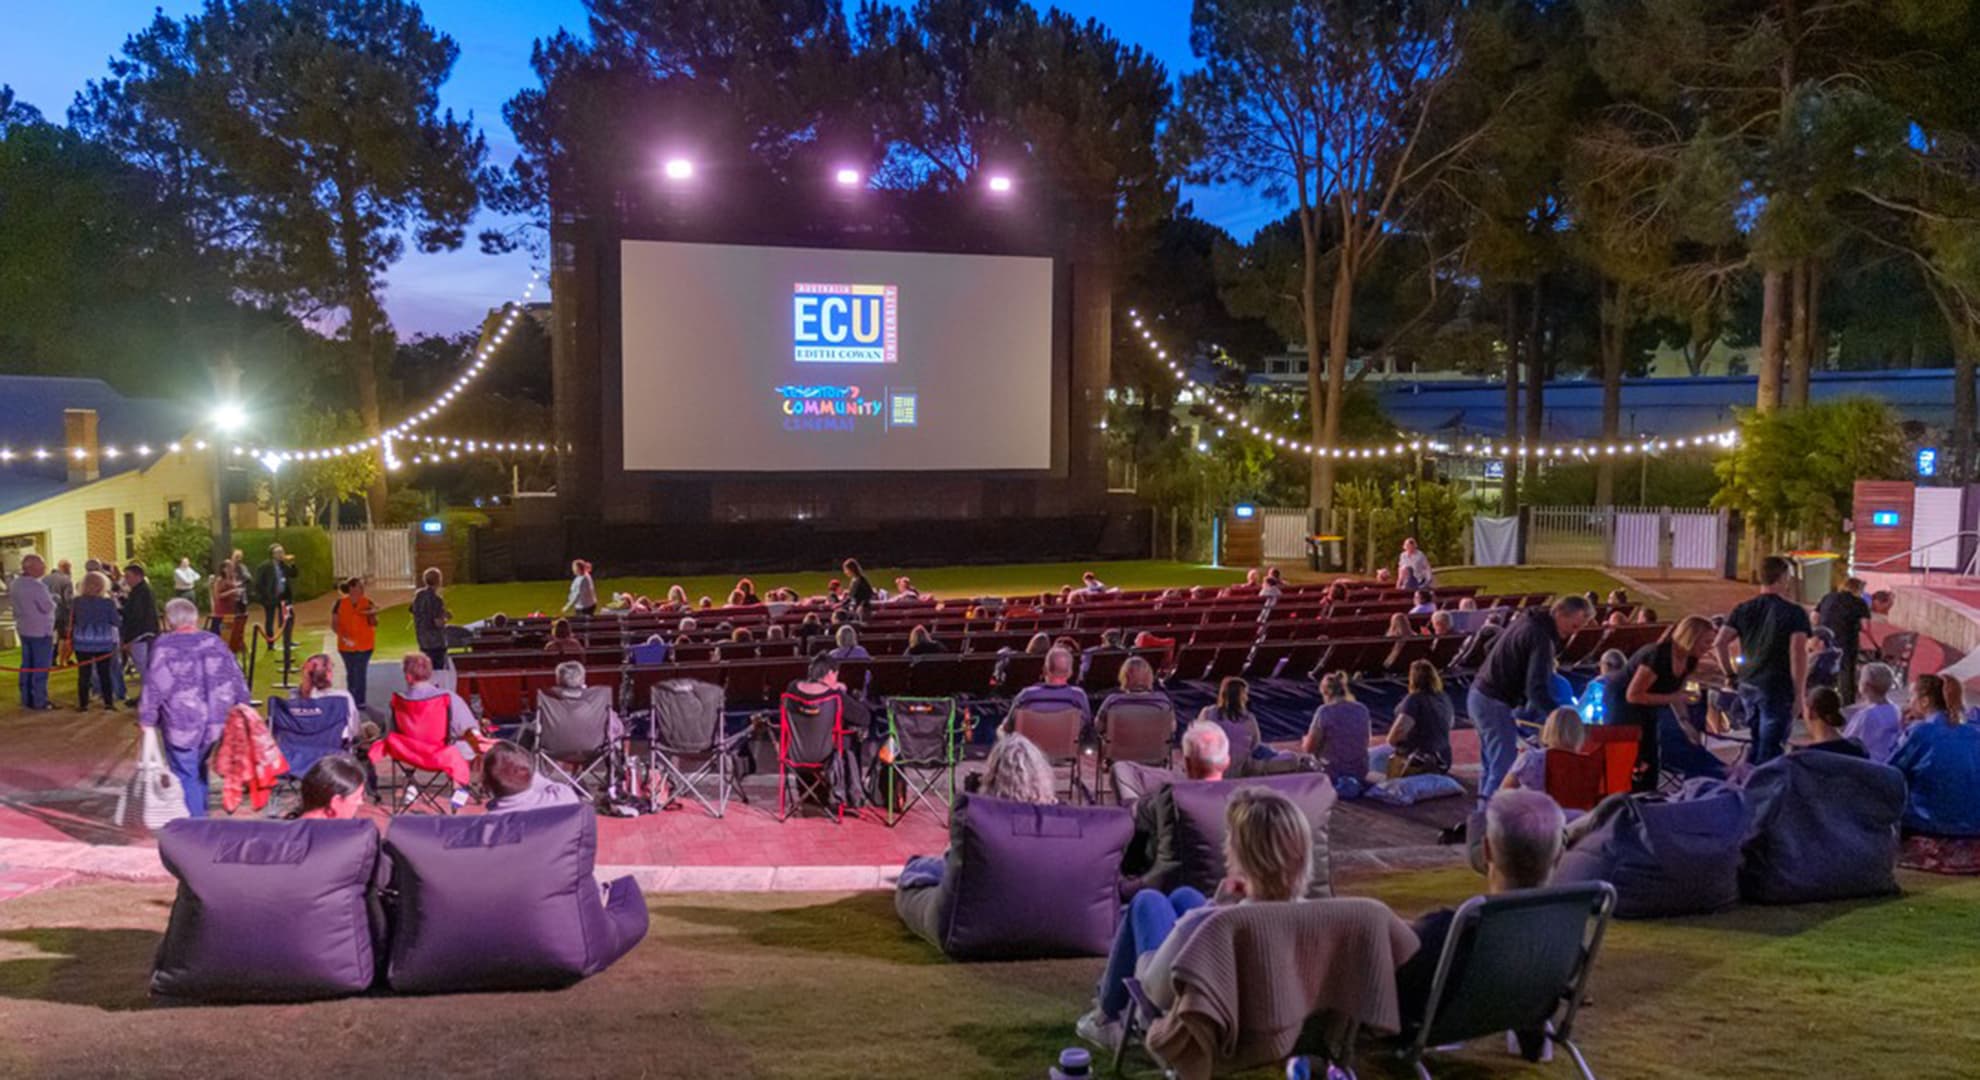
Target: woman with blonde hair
{"type": "Point", "coordinates": [1137, 690]}
{"type": "Point", "coordinates": [1562, 733]}
{"type": "Point", "coordinates": [1268, 856]}
{"type": "Point", "coordinates": [1018, 770]}
{"type": "Point", "coordinates": [1652, 684]}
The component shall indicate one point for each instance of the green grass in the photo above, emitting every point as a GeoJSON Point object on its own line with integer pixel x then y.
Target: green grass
{"type": "Point", "coordinates": [830, 986]}
{"type": "Point", "coordinates": [1527, 579]}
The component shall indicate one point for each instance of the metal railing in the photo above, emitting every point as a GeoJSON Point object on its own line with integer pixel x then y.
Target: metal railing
{"type": "Point", "coordinates": [1918, 573]}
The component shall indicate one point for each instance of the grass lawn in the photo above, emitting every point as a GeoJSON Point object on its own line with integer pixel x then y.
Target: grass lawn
{"type": "Point", "coordinates": [831, 986]}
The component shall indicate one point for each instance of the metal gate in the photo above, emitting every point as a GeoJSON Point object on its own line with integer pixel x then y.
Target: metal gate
{"type": "Point", "coordinates": [382, 557]}
{"type": "Point", "coordinates": [1286, 531]}
{"type": "Point", "coordinates": [1630, 538]}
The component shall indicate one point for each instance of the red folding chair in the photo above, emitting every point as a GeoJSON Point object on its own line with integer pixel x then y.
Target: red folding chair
{"type": "Point", "coordinates": [418, 745]}
{"type": "Point", "coordinates": [811, 742]}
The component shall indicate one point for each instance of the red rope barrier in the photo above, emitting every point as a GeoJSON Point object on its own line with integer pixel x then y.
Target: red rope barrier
{"type": "Point", "coordinates": [68, 667]}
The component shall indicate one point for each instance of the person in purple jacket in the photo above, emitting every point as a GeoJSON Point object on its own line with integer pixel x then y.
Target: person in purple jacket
{"type": "Point", "coordinates": [191, 684]}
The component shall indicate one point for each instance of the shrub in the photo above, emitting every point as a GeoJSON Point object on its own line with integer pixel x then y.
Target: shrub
{"type": "Point", "coordinates": [315, 572]}
{"type": "Point", "coordinates": [166, 542]}
{"type": "Point", "coordinates": [1437, 514]}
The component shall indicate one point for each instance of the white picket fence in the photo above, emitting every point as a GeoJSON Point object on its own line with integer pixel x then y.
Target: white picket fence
{"type": "Point", "coordinates": [382, 557]}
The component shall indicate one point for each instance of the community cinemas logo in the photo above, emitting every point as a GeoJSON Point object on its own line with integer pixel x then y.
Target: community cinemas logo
{"type": "Point", "coordinates": [827, 408]}
{"type": "Point", "coordinates": [845, 324]}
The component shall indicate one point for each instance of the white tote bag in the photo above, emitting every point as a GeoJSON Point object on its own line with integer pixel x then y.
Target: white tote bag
{"type": "Point", "coordinates": [159, 796]}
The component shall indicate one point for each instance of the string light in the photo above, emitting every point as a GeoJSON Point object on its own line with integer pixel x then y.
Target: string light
{"type": "Point", "coordinates": [1719, 440]}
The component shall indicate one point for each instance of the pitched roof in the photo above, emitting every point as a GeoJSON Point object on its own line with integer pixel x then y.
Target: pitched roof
{"type": "Point", "coordinates": [31, 408]}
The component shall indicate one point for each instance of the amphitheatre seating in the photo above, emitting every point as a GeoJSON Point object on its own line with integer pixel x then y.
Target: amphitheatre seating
{"type": "Point", "coordinates": [268, 910]}
{"type": "Point", "coordinates": [504, 902]}
{"type": "Point", "coordinates": [1188, 846]}
{"type": "Point", "coordinates": [1023, 882]}
{"type": "Point", "coordinates": [1664, 857]}
{"type": "Point", "coordinates": [1824, 827]}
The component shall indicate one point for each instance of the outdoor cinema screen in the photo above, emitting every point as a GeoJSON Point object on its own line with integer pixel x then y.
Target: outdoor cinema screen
{"type": "Point", "coordinates": [769, 359]}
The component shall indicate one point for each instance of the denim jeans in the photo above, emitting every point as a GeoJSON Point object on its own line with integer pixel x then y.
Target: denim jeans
{"type": "Point", "coordinates": [1498, 740]}
{"type": "Point", "coordinates": [357, 671]}
{"type": "Point", "coordinates": [1150, 917]}
{"type": "Point", "coordinates": [1770, 715]}
{"type": "Point", "coordinates": [190, 767]}
{"type": "Point", "coordinates": [36, 652]}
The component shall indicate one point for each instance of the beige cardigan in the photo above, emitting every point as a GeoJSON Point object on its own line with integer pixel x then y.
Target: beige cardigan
{"type": "Point", "coordinates": [1252, 974]}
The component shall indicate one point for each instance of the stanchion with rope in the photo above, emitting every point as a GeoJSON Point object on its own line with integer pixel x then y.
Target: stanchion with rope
{"type": "Point", "coordinates": [285, 625]}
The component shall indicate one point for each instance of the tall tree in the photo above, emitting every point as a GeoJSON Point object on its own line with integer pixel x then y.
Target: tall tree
{"type": "Point", "coordinates": [1341, 108]}
{"type": "Point", "coordinates": [316, 128]}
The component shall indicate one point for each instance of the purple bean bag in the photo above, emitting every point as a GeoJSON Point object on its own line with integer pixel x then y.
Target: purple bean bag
{"type": "Point", "coordinates": [1189, 829]}
{"type": "Point", "coordinates": [1824, 827]}
{"type": "Point", "coordinates": [1023, 882]}
{"type": "Point", "coordinates": [1665, 858]}
{"type": "Point", "coordinates": [504, 902]}
{"type": "Point", "coordinates": [268, 910]}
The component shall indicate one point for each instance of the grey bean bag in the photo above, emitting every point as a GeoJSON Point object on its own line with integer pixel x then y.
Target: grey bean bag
{"type": "Point", "coordinates": [1188, 821]}
{"type": "Point", "coordinates": [504, 902]}
{"type": "Point", "coordinates": [1665, 858]}
{"type": "Point", "coordinates": [268, 910]}
{"type": "Point", "coordinates": [1824, 827]}
{"type": "Point", "coordinates": [1022, 882]}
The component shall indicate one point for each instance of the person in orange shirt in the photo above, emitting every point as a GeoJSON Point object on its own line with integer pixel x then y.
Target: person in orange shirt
{"type": "Point", "coordinates": [355, 619]}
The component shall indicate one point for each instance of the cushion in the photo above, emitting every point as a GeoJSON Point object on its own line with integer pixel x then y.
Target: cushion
{"type": "Point", "coordinates": [1410, 790]}
{"type": "Point", "coordinates": [504, 902]}
{"type": "Point", "coordinates": [1189, 838]}
{"type": "Point", "coordinates": [268, 910]}
{"type": "Point", "coordinates": [1824, 827]}
{"type": "Point", "coordinates": [1665, 858]}
{"type": "Point", "coordinates": [1025, 881]}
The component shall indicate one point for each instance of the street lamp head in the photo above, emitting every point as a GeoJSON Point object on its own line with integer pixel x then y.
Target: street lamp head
{"type": "Point", "coordinates": [229, 417]}
{"type": "Point", "coordinates": [847, 177]}
{"type": "Point", "coordinates": [1000, 184]}
{"type": "Point", "coordinates": [679, 168]}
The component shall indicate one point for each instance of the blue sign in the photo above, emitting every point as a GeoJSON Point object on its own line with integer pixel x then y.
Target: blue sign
{"type": "Point", "coordinates": [1244, 510]}
{"type": "Point", "coordinates": [432, 526]}
{"type": "Point", "coordinates": [1887, 519]}
{"type": "Point", "coordinates": [1928, 461]}
{"type": "Point", "coordinates": [1495, 469]}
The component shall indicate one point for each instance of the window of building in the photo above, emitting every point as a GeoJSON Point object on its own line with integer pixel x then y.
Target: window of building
{"type": "Point", "coordinates": [175, 510]}
{"type": "Point", "coordinates": [130, 535]}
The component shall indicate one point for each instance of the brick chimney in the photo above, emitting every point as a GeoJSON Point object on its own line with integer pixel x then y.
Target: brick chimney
{"type": "Point", "coordinates": [79, 433]}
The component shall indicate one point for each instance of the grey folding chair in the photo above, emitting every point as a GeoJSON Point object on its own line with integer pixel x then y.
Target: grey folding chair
{"type": "Point", "coordinates": [1055, 729]}
{"type": "Point", "coordinates": [1142, 732]}
{"type": "Point", "coordinates": [689, 749]}
{"type": "Point", "coordinates": [572, 737]}
{"type": "Point", "coordinates": [926, 736]}
{"type": "Point", "coordinates": [1515, 962]}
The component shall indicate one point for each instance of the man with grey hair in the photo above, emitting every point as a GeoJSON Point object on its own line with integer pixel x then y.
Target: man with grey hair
{"type": "Point", "coordinates": [1206, 752]}
{"type": "Point", "coordinates": [34, 621]}
{"type": "Point", "coordinates": [191, 684]}
{"type": "Point", "coordinates": [1057, 690]}
{"type": "Point", "coordinates": [1518, 676]}
{"type": "Point", "coordinates": [1522, 844]}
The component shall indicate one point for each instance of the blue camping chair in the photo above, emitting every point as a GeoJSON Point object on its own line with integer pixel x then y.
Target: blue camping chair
{"type": "Point", "coordinates": [309, 729]}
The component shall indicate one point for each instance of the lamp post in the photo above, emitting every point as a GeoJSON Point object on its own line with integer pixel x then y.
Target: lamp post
{"type": "Point", "coordinates": [227, 418]}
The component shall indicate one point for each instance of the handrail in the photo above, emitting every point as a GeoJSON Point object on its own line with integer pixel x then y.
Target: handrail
{"type": "Point", "coordinates": [1971, 569]}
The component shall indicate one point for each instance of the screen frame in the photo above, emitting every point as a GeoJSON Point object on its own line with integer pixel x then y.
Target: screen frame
{"type": "Point", "coordinates": [612, 367]}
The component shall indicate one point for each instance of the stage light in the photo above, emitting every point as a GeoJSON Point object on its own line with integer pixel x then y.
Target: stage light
{"type": "Point", "coordinates": [847, 177]}
{"type": "Point", "coordinates": [1001, 185]}
{"type": "Point", "coordinates": [679, 169]}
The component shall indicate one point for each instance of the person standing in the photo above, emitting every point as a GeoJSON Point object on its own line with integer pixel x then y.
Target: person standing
{"type": "Point", "coordinates": [275, 589]}
{"type": "Point", "coordinates": [229, 590]}
{"type": "Point", "coordinates": [1772, 675]}
{"type": "Point", "coordinates": [859, 591]}
{"type": "Point", "coordinates": [62, 587]}
{"type": "Point", "coordinates": [1652, 681]}
{"type": "Point", "coordinates": [34, 621]}
{"type": "Point", "coordinates": [583, 599]}
{"type": "Point", "coordinates": [429, 616]}
{"type": "Point", "coordinates": [140, 621]}
{"type": "Point", "coordinates": [355, 619]}
{"type": "Point", "coordinates": [97, 636]}
{"type": "Point", "coordinates": [185, 581]}
{"type": "Point", "coordinates": [1413, 568]}
{"type": "Point", "coordinates": [1843, 613]}
{"type": "Point", "coordinates": [1518, 674]}
{"type": "Point", "coordinates": [193, 684]}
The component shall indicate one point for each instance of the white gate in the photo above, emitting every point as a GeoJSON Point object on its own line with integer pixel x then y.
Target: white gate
{"type": "Point", "coordinates": [1286, 531]}
{"type": "Point", "coordinates": [1698, 539]}
{"type": "Point", "coordinates": [382, 557]}
{"type": "Point", "coordinates": [1639, 540]}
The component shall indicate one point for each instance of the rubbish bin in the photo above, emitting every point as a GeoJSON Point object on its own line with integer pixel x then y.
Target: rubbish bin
{"type": "Point", "coordinates": [1327, 554]}
{"type": "Point", "coordinates": [1818, 574]}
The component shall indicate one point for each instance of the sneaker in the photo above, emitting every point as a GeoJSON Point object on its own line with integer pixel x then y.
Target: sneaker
{"type": "Point", "coordinates": [460, 798]}
{"type": "Point", "coordinates": [1094, 1027]}
{"type": "Point", "coordinates": [412, 794]}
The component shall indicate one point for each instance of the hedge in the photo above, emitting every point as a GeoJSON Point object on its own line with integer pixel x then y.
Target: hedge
{"type": "Point", "coordinates": [315, 572]}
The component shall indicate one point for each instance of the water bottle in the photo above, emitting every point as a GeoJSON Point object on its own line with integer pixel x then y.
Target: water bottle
{"type": "Point", "coordinates": [1074, 1064]}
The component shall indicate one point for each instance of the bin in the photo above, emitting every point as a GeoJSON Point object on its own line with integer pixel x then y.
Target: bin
{"type": "Point", "coordinates": [1818, 574]}
{"type": "Point", "coordinates": [1327, 554]}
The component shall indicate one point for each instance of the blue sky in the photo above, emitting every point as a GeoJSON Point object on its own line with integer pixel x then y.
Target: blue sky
{"type": "Point", "coordinates": [51, 49]}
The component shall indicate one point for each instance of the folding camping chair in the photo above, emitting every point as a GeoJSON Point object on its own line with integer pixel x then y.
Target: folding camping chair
{"type": "Point", "coordinates": [1518, 961]}
{"type": "Point", "coordinates": [811, 740]}
{"type": "Point", "coordinates": [926, 736]}
{"type": "Point", "coordinates": [309, 729]}
{"type": "Point", "coordinates": [423, 759]}
{"type": "Point", "coordinates": [689, 747]}
{"type": "Point", "coordinates": [1139, 731]}
{"type": "Point", "coordinates": [1055, 729]}
{"type": "Point", "coordinates": [576, 729]}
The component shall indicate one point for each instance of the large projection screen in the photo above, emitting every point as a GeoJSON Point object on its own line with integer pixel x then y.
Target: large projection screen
{"type": "Point", "coordinates": [772, 359]}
